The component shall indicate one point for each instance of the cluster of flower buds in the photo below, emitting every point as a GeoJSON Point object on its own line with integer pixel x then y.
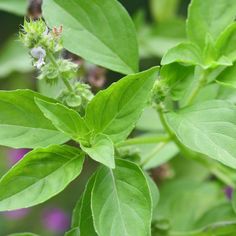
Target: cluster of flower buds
{"type": "Point", "coordinates": [159, 92]}
{"type": "Point", "coordinates": [77, 99]}
{"type": "Point", "coordinates": [45, 46]}
{"type": "Point", "coordinates": [40, 40]}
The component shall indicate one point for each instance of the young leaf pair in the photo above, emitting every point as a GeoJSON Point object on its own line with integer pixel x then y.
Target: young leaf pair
{"type": "Point", "coordinates": [109, 117]}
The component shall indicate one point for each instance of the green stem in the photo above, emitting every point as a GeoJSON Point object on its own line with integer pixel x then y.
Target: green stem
{"type": "Point", "coordinates": [156, 150]}
{"type": "Point", "coordinates": [54, 62]}
{"type": "Point", "coordinates": [143, 140]}
{"type": "Point", "coordinates": [197, 89]}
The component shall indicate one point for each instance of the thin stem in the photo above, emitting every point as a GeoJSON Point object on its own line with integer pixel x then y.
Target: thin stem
{"type": "Point", "coordinates": [54, 62]}
{"type": "Point", "coordinates": [197, 89]}
{"type": "Point", "coordinates": [156, 150]}
{"type": "Point", "coordinates": [160, 110]}
{"type": "Point", "coordinates": [143, 140]}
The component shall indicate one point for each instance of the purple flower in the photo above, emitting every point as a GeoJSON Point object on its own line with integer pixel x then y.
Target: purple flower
{"type": "Point", "coordinates": [56, 220]}
{"type": "Point", "coordinates": [18, 214]}
{"type": "Point", "coordinates": [15, 155]}
{"type": "Point", "coordinates": [228, 192]}
{"type": "Point", "coordinates": [38, 53]}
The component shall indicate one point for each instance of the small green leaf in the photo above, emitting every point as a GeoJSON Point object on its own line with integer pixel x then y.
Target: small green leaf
{"type": "Point", "coordinates": [226, 43]}
{"type": "Point", "coordinates": [208, 128]}
{"type": "Point", "coordinates": [227, 77]}
{"type": "Point", "coordinates": [121, 201]}
{"type": "Point", "coordinates": [64, 119]}
{"type": "Point", "coordinates": [40, 175]}
{"type": "Point", "coordinates": [177, 79]}
{"type": "Point", "coordinates": [100, 31]}
{"type": "Point", "coordinates": [185, 201]}
{"type": "Point", "coordinates": [101, 150]}
{"type": "Point", "coordinates": [118, 108]}
{"type": "Point", "coordinates": [82, 215]}
{"type": "Point", "coordinates": [187, 53]}
{"type": "Point", "coordinates": [209, 17]}
{"type": "Point", "coordinates": [18, 7]}
{"type": "Point", "coordinates": [22, 124]}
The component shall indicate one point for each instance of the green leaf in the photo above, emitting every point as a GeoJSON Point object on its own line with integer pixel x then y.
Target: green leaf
{"type": "Point", "coordinates": [118, 108]}
{"type": "Point", "coordinates": [100, 31]}
{"type": "Point", "coordinates": [14, 58]}
{"type": "Point", "coordinates": [187, 53]}
{"type": "Point", "coordinates": [18, 7]}
{"type": "Point", "coordinates": [73, 232]}
{"type": "Point", "coordinates": [227, 77]}
{"type": "Point", "coordinates": [186, 201]}
{"type": "Point", "coordinates": [82, 215]}
{"type": "Point", "coordinates": [64, 119]}
{"type": "Point", "coordinates": [209, 17]}
{"type": "Point", "coordinates": [177, 79]}
{"type": "Point", "coordinates": [155, 195]}
{"type": "Point", "coordinates": [40, 175]}
{"type": "Point", "coordinates": [121, 201]}
{"type": "Point", "coordinates": [208, 128]}
{"type": "Point", "coordinates": [22, 124]}
{"type": "Point", "coordinates": [226, 43]}
{"type": "Point", "coordinates": [101, 150]}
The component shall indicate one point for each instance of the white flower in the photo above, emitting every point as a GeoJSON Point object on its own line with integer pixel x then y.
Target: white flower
{"type": "Point", "coordinates": [38, 53]}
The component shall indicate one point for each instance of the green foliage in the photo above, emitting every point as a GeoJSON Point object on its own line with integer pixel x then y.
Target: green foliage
{"type": "Point", "coordinates": [118, 108]}
{"type": "Point", "coordinates": [208, 128]}
{"type": "Point", "coordinates": [92, 31]}
{"type": "Point", "coordinates": [121, 201]}
{"type": "Point", "coordinates": [22, 123]}
{"type": "Point", "coordinates": [18, 7]}
{"type": "Point", "coordinates": [42, 174]}
{"type": "Point", "coordinates": [14, 58]}
{"type": "Point", "coordinates": [186, 140]}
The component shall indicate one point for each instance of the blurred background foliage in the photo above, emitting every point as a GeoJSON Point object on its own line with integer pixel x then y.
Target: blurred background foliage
{"type": "Point", "coordinates": [160, 25]}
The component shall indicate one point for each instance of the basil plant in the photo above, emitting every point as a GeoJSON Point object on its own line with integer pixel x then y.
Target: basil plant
{"type": "Point", "coordinates": [188, 120]}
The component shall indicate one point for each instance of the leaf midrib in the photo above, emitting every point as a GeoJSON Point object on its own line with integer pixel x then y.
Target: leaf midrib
{"type": "Point", "coordinates": [41, 179]}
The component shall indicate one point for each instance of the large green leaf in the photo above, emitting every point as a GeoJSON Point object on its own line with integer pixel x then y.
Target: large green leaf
{"type": "Point", "coordinates": [100, 31]}
{"type": "Point", "coordinates": [101, 150]}
{"type": "Point", "coordinates": [82, 215]}
{"type": "Point", "coordinates": [121, 201]}
{"type": "Point", "coordinates": [22, 124]}
{"type": "Point", "coordinates": [118, 108]}
{"type": "Point", "coordinates": [187, 53]}
{"type": "Point", "coordinates": [64, 119]}
{"type": "Point", "coordinates": [40, 175]}
{"type": "Point", "coordinates": [208, 128]}
{"type": "Point", "coordinates": [18, 7]}
{"type": "Point", "coordinates": [209, 17]}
